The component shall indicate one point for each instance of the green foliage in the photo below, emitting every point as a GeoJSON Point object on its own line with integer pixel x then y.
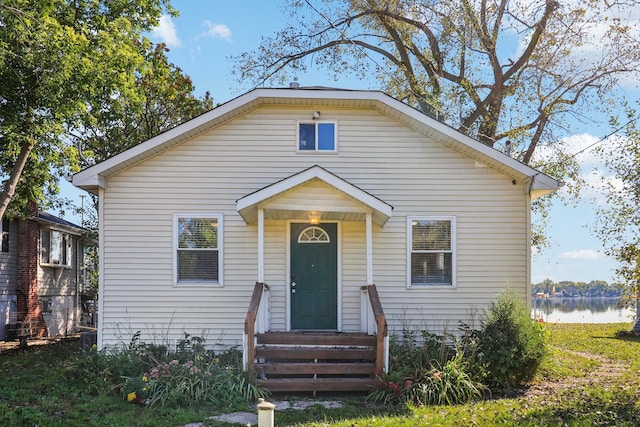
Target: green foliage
{"type": "Point", "coordinates": [161, 98]}
{"type": "Point", "coordinates": [511, 346]}
{"type": "Point", "coordinates": [568, 288]}
{"type": "Point", "coordinates": [618, 221]}
{"type": "Point", "coordinates": [43, 385]}
{"type": "Point", "coordinates": [448, 56]}
{"type": "Point", "coordinates": [80, 83]}
{"type": "Point", "coordinates": [150, 374]}
{"type": "Point", "coordinates": [425, 371]}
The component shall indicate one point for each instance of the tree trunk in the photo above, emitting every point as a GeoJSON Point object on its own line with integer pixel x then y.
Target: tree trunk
{"type": "Point", "coordinates": [16, 172]}
{"type": "Point", "coordinates": [636, 326]}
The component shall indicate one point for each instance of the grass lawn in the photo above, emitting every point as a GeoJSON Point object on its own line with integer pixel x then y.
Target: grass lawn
{"type": "Point", "coordinates": [592, 377]}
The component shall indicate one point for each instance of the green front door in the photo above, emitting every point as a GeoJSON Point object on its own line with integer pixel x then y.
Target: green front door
{"type": "Point", "coordinates": [314, 276]}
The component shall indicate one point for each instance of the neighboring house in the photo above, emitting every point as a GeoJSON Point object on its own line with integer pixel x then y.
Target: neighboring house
{"type": "Point", "coordinates": [319, 194]}
{"type": "Point", "coordinates": [41, 276]}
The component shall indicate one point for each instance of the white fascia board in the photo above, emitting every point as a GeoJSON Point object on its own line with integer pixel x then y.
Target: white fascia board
{"type": "Point", "coordinates": [253, 199]}
{"type": "Point", "coordinates": [449, 135]}
{"type": "Point", "coordinates": [541, 182]}
{"type": "Point", "coordinates": [93, 176]}
{"type": "Point", "coordinates": [89, 182]}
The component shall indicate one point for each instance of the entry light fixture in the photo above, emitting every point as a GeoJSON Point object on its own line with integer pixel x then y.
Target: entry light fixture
{"type": "Point", "coordinates": [314, 218]}
{"type": "Point", "coordinates": [316, 115]}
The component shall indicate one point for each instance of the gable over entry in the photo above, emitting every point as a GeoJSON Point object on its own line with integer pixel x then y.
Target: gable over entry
{"type": "Point", "coordinates": [313, 191]}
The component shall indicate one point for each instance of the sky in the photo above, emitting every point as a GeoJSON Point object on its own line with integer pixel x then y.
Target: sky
{"type": "Point", "coordinates": [206, 33]}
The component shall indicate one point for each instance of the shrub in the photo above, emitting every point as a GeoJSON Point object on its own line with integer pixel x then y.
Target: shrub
{"type": "Point", "coordinates": [149, 374]}
{"type": "Point", "coordinates": [511, 345]}
{"type": "Point", "coordinates": [425, 371]}
{"type": "Point", "coordinates": [447, 384]}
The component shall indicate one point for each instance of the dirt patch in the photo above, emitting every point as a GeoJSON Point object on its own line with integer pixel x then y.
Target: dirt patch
{"type": "Point", "coordinates": [13, 347]}
{"type": "Point", "coordinates": [606, 372]}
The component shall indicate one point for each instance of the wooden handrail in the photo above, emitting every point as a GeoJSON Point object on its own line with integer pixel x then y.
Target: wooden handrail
{"type": "Point", "coordinates": [250, 322]}
{"type": "Point", "coordinates": [381, 325]}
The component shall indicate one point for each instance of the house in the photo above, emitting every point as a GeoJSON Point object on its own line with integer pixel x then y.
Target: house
{"type": "Point", "coordinates": [42, 276]}
{"type": "Point", "coordinates": [286, 214]}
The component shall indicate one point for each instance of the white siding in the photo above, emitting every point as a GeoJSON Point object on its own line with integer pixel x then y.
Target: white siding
{"type": "Point", "coordinates": [412, 173]}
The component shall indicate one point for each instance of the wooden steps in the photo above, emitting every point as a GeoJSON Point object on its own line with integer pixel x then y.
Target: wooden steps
{"type": "Point", "coordinates": [315, 361]}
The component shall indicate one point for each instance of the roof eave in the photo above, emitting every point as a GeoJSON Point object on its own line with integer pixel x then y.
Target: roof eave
{"type": "Point", "coordinates": [93, 178]}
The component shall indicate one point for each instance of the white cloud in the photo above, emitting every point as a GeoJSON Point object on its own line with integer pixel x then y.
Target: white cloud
{"type": "Point", "coordinates": [216, 31]}
{"type": "Point", "coordinates": [166, 32]}
{"type": "Point", "coordinates": [595, 176]}
{"type": "Point", "coordinates": [582, 254]}
{"type": "Point", "coordinates": [583, 145]}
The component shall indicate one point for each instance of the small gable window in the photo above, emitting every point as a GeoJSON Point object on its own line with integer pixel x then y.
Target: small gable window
{"type": "Point", "coordinates": [431, 244]}
{"type": "Point", "coordinates": [56, 248]}
{"type": "Point", "coordinates": [316, 136]}
{"type": "Point", "coordinates": [198, 249]}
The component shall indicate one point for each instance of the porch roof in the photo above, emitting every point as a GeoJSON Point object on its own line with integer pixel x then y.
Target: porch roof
{"type": "Point", "coordinates": [349, 203]}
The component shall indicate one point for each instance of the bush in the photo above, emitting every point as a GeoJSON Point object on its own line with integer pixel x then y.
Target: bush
{"type": "Point", "coordinates": [425, 371]}
{"type": "Point", "coordinates": [149, 374]}
{"type": "Point", "coordinates": [511, 345]}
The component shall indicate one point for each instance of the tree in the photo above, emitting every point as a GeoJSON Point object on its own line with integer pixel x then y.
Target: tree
{"type": "Point", "coordinates": [498, 70]}
{"type": "Point", "coordinates": [163, 98]}
{"type": "Point", "coordinates": [618, 222]}
{"type": "Point", "coordinates": [56, 58]}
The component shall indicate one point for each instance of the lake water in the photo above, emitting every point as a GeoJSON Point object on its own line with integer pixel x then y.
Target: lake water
{"type": "Point", "coordinates": [581, 310]}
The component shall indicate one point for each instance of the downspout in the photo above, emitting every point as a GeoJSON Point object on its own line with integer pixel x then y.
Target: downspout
{"type": "Point", "coordinates": [527, 197]}
{"type": "Point", "coordinates": [369, 248]}
{"type": "Point", "coordinates": [79, 265]}
{"type": "Point", "coordinates": [260, 245]}
{"type": "Point", "coordinates": [99, 326]}
{"type": "Point", "coordinates": [532, 181]}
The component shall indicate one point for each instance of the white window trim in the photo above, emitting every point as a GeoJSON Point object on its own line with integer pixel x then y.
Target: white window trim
{"type": "Point", "coordinates": [70, 256]}
{"type": "Point", "coordinates": [315, 122]}
{"type": "Point", "coordinates": [174, 247]}
{"type": "Point", "coordinates": [314, 241]}
{"type": "Point", "coordinates": [454, 238]}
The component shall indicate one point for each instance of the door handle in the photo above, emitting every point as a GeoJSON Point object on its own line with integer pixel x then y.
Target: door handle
{"type": "Point", "coordinates": [293, 287]}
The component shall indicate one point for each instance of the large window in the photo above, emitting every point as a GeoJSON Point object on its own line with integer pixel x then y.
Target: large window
{"type": "Point", "coordinates": [432, 251]}
{"type": "Point", "coordinates": [56, 248]}
{"type": "Point", "coordinates": [198, 249]}
{"type": "Point", "coordinates": [317, 136]}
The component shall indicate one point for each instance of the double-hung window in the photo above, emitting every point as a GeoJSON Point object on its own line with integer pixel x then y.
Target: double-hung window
{"type": "Point", "coordinates": [431, 248]}
{"type": "Point", "coordinates": [56, 248]}
{"type": "Point", "coordinates": [317, 137]}
{"type": "Point", "coordinates": [198, 244]}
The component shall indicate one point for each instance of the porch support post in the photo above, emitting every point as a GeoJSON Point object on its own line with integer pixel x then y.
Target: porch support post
{"type": "Point", "coordinates": [369, 243]}
{"type": "Point", "coordinates": [260, 245]}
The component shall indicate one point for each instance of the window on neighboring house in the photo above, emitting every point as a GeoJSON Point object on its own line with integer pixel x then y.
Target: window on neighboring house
{"type": "Point", "coordinates": [432, 251]}
{"type": "Point", "coordinates": [317, 136]}
{"type": "Point", "coordinates": [56, 248]}
{"type": "Point", "coordinates": [198, 248]}
{"type": "Point", "coordinates": [4, 231]}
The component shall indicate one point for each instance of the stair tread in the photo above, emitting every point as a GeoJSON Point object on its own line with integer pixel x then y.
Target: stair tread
{"type": "Point", "coordinates": [355, 368]}
{"type": "Point", "coordinates": [317, 338]}
{"type": "Point", "coordinates": [317, 384]}
{"type": "Point", "coordinates": [315, 361]}
{"type": "Point", "coordinates": [295, 353]}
